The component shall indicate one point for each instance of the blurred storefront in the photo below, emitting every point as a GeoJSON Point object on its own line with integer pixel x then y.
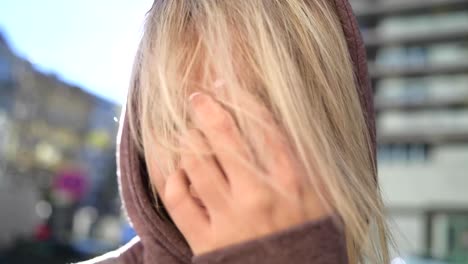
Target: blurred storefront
{"type": "Point", "coordinates": [57, 161]}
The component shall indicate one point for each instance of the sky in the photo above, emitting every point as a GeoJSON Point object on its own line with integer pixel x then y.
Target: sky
{"type": "Point", "coordinates": [88, 43]}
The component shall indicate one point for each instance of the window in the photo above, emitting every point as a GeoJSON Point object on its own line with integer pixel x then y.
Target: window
{"type": "Point", "coordinates": [403, 153]}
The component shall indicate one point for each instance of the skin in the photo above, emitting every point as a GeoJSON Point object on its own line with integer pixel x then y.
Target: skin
{"type": "Point", "coordinates": [216, 201]}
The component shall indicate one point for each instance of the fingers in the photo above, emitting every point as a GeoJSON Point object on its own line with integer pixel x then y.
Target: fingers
{"type": "Point", "coordinates": [189, 217]}
{"type": "Point", "coordinates": [224, 137]}
{"type": "Point", "coordinates": [203, 172]}
{"type": "Point", "coordinates": [280, 160]}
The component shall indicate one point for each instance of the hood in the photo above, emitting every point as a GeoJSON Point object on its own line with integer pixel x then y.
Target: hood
{"type": "Point", "coordinates": [134, 186]}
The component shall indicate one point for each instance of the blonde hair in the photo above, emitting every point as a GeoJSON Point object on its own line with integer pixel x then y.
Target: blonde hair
{"type": "Point", "coordinates": [292, 57]}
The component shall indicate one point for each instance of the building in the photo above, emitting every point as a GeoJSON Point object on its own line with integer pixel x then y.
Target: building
{"type": "Point", "coordinates": [418, 60]}
{"type": "Point", "coordinates": [49, 128]}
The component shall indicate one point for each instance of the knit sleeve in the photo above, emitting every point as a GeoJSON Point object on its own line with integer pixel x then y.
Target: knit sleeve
{"type": "Point", "coordinates": [317, 242]}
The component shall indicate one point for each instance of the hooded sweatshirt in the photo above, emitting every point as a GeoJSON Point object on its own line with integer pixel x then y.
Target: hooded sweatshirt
{"type": "Point", "coordinates": [160, 242]}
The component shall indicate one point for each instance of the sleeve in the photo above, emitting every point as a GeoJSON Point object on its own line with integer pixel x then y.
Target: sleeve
{"type": "Point", "coordinates": [317, 242]}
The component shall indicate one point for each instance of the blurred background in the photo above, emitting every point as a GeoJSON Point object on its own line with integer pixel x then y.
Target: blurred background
{"type": "Point", "coordinates": [64, 70]}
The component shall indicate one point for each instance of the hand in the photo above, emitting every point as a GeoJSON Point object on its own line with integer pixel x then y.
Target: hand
{"type": "Point", "coordinates": [234, 202]}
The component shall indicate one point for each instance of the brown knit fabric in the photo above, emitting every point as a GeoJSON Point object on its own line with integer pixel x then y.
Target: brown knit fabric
{"type": "Point", "coordinates": [318, 242]}
{"type": "Point", "coordinates": [314, 242]}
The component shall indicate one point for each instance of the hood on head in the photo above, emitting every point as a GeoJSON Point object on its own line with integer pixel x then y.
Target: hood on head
{"type": "Point", "coordinates": [134, 183]}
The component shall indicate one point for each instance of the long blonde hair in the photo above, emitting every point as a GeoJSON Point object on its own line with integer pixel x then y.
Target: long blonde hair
{"type": "Point", "coordinates": [292, 57]}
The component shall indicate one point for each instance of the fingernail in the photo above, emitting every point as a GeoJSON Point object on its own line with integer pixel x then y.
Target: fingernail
{"type": "Point", "coordinates": [196, 102]}
{"type": "Point", "coordinates": [193, 95]}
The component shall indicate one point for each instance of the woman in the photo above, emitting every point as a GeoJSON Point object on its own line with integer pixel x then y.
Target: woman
{"type": "Point", "coordinates": [249, 137]}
